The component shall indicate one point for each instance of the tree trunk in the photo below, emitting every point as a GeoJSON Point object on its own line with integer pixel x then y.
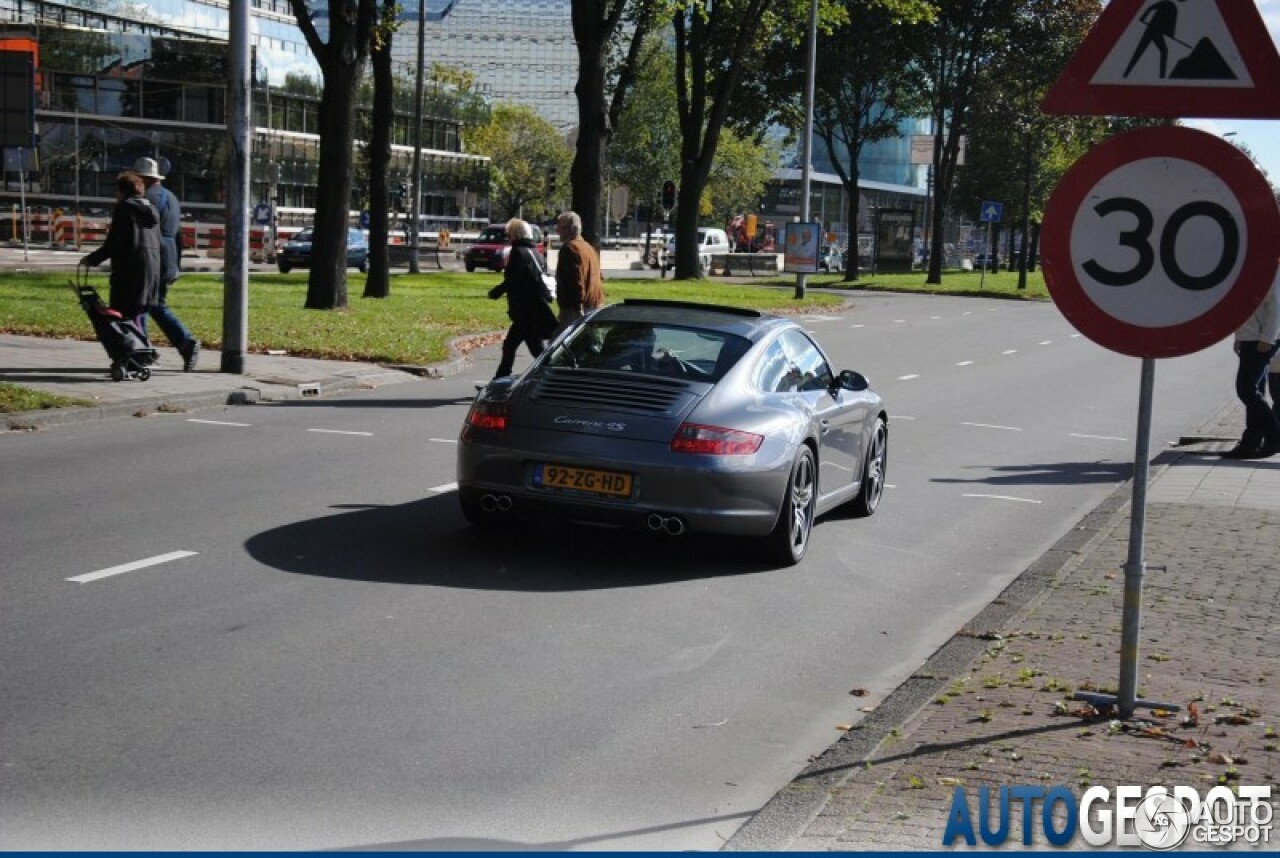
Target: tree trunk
{"type": "Point", "coordinates": [851, 218]}
{"type": "Point", "coordinates": [688, 195]}
{"type": "Point", "coordinates": [378, 283]}
{"type": "Point", "coordinates": [327, 284]}
{"type": "Point", "coordinates": [593, 136]}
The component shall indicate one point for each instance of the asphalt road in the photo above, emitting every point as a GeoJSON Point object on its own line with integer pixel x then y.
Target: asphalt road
{"type": "Point", "coordinates": [339, 662]}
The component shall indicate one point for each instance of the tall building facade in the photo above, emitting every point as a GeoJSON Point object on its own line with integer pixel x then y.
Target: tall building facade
{"type": "Point", "coordinates": [521, 51]}
{"type": "Point", "coordinates": [116, 80]}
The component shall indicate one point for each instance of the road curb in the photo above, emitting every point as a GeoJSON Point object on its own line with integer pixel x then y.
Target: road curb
{"type": "Point", "coordinates": [784, 818]}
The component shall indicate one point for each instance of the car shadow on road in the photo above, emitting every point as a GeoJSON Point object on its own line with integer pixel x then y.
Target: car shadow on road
{"type": "Point", "coordinates": [427, 543]}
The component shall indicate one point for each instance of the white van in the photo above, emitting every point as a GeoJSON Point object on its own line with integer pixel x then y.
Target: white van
{"type": "Point", "coordinates": [710, 241]}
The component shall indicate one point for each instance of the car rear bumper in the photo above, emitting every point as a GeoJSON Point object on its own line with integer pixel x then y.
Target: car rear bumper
{"type": "Point", "coordinates": [705, 495]}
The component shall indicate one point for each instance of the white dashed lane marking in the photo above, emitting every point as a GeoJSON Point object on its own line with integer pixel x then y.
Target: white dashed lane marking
{"type": "Point", "coordinates": [907, 377]}
{"type": "Point", "coordinates": [992, 426]}
{"type": "Point", "coordinates": [1097, 437]}
{"type": "Point", "coordinates": [1004, 498]}
{"type": "Point", "coordinates": [217, 422]}
{"type": "Point", "coordinates": [340, 432]}
{"type": "Point", "coordinates": [130, 567]}
{"type": "Point", "coordinates": [443, 440]}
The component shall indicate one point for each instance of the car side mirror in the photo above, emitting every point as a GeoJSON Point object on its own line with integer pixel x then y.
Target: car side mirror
{"type": "Point", "coordinates": [851, 380]}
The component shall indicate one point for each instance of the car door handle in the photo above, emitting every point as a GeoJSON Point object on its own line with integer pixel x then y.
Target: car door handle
{"type": "Point", "coordinates": [826, 426]}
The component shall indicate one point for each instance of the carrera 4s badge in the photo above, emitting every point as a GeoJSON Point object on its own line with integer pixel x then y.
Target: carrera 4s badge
{"type": "Point", "coordinates": [595, 425]}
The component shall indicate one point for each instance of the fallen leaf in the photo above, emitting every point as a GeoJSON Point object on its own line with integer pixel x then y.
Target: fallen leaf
{"type": "Point", "coordinates": [844, 728]}
{"type": "Point", "coordinates": [859, 692]}
{"type": "Point", "coordinates": [1220, 759]}
{"type": "Point", "coordinates": [1236, 720]}
{"type": "Point", "coordinates": [950, 782]}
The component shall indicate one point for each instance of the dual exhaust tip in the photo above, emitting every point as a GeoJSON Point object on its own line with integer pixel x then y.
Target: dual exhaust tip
{"type": "Point", "coordinates": [658, 523]}
{"type": "Point", "coordinates": [669, 524]}
{"type": "Point", "coordinates": [495, 503]}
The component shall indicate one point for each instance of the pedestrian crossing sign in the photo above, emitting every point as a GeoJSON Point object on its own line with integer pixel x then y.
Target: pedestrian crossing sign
{"type": "Point", "coordinates": [1172, 58]}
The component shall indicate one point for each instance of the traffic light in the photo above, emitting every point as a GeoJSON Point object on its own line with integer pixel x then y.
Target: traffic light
{"type": "Point", "coordinates": [668, 195]}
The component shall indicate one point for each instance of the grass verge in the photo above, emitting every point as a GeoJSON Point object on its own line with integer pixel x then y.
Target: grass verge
{"type": "Point", "coordinates": [15, 400]}
{"type": "Point", "coordinates": [415, 325]}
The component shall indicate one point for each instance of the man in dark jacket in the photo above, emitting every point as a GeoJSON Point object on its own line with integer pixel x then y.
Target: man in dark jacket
{"type": "Point", "coordinates": [133, 246]}
{"type": "Point", "coordinates": [532, 319]}
{"type": "Point", "coordinates": [170, 212]}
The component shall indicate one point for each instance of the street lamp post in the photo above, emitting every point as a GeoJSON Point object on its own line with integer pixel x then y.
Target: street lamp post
{"type": "Point", "coordinates": [415, 206]}
{"type": "Point", "coordinates": [807, 146]}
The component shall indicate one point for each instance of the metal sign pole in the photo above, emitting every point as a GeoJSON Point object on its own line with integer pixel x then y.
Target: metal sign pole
{"type": "Point", "coordinates": [1135, 567]}
{"type": "Point", "coordinates": [1126, 700]}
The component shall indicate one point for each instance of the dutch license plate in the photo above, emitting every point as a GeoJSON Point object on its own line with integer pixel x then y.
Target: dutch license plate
{"type": "Point", "coordinates": [609, 483]}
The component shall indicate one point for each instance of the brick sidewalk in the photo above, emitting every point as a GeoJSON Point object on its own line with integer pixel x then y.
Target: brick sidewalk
{"type": "Point", "coordinates": [1210, 635]}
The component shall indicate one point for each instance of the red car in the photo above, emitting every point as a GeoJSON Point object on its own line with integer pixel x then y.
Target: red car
{"type": "Point", "coordinates": [489, 250]}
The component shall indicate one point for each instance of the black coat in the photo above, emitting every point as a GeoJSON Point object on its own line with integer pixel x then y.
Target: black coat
{"type": "Point", "coordinates": [526, 293]}
{"type": "Point", "coordinates": [133, 246]}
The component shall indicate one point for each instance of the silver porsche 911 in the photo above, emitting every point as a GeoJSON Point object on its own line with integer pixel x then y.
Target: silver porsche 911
{"type": "Point", "coordinates": [679, 418]}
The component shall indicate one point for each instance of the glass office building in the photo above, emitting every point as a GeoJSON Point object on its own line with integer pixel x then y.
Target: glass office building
{"type": "Point", "coordinates": [117, 80]}
{"type": "Point", "coordinates": [521, 51]}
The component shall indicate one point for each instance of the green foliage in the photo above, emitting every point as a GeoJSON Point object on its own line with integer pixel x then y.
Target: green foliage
{"type": "Point", "coordinates": [645, 149]}
{"type": "Point", "coordinates": [525, 149]}
{"type": "Point", "coordinates": [739, 176]}
{"type": "Point", "coordinates": [1016, 153]}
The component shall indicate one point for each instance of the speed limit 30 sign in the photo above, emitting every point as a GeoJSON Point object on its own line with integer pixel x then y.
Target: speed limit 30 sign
{"type": "Point", "coordinates": [1160, 242]}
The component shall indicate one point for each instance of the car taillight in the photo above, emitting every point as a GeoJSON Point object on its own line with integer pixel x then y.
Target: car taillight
{"type": "Point", "coordinates": [489, 415]}
{"type": "Point", "coordinates": [714, 441]}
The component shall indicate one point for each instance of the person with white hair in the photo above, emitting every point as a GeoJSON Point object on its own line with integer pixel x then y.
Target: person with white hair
{"type": "Point", "coordinates": [170, 212]}
{"type": "Point", "coordinates": [579, 286]}
{"type": "Point", "coordinates": [532, 320]}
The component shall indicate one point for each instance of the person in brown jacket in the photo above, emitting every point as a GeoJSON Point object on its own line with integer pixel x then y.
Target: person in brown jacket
{"type": "Point", "coordinates": [579, 287]}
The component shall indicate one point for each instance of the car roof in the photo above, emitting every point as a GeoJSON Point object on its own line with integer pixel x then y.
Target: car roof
{"type": "Point", "coordinates": [741, 321]}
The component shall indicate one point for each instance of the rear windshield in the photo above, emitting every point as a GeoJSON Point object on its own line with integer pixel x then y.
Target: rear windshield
{"type": "Point", "coordinates": [672, 351]}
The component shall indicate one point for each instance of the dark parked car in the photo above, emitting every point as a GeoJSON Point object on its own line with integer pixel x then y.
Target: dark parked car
{"type": "Point", "coordinates": [296, 252]}
{"type": "Point", "coordinates": [489, 250]}
{"type": "Point", "coordinates": [677, 417]}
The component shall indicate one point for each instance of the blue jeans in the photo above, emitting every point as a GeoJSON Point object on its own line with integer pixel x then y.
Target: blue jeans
{"type": "Point", "coordinates": [174, 331]}
{"type": "Point", "coordinates": [1261, 426]}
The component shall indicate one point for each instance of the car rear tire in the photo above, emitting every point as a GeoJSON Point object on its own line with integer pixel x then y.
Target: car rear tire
{"type": "Point", "coordinates": [363, 267]}
{"type": "Point", "coordinates": [284, 269]}
{"type": "Point", "coordinates": [790, 537]}
{"type": "Point", "coordinates": [471, 266]}
{"type": "Point", "coordinates": [873, 472]}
